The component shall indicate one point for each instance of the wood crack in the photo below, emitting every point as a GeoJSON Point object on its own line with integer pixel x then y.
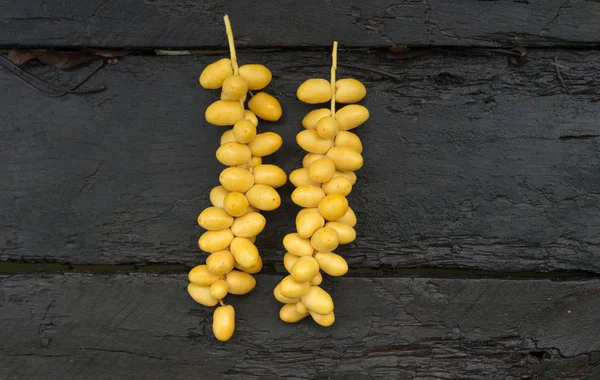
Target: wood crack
{"type": "Point", "coordinates": [114, 351]}
{"type": "Point", "coordinates": [88, 184]}
{"type": "Point", "coordinates": [578, 137]}
{"type": "Point", "coordinates": [559, 12]}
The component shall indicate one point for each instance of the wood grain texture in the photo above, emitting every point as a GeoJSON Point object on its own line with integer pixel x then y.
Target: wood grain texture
{"type": "Point", "coordinates": [190, 23]}
{"type": "Point", "coordinates": [469, 163]}
{"type": "Point", "coordinates": [139, 326]}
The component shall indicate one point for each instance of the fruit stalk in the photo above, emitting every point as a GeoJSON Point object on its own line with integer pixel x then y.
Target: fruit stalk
{"type": "Point", "coordinates": [229, 31]}
{"type": "Point", "coordinates": [333, 70]}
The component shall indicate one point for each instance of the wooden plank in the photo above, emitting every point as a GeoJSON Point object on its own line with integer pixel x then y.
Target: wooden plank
{"type": "Point", "coordinates": [469, 163]}
{"type": "Point", "coordinates": [189, 23]}
{"type": "Point", "coordinates": [144, 325]}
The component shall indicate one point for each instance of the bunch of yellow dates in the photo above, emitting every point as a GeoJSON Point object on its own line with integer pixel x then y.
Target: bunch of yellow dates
{"type": "Point", "coordinates": [247, 188]}
{"type": "Point", "coordinates": [322, 185]}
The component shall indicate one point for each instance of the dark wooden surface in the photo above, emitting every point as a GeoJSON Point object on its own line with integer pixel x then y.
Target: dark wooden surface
{"type": "Point", "coordinates": [469, 163]}
{"type": "Point", "coordinates": [190, 23]}
{"type": "Point", "coordinates": [133, 326]}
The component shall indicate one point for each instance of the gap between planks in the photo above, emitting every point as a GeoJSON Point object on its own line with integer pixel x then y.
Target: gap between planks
{"type": "Point", "coordinates": [7, 268]}
{"type": "Point", "coordinates": [212, 50]}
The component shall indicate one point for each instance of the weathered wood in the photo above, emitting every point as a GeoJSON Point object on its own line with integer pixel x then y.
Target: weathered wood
{"type": "Point", "coordinates": [469, 163]}
{"type": "Point", "coordinates": [191, 23]}
{"type": "Point", "coordinates": [140, 326]}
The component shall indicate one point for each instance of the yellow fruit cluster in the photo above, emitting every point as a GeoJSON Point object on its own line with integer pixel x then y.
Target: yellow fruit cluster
{"type": "Point", "coordinates": [247, 186]}
{"type": "Point", "coordinates": [322, 184]}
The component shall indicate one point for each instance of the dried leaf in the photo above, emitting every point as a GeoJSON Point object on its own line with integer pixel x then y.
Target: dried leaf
{"type": "Point", "coordinates": [108, 53]}
{"type": "Point", "coordinates": [398, 49]}
{"type": "Point", "coordinates": [65, 60]}
{"type": "Point", "coordinates": [172, 52]}
{"type": "Point", "coordinates": [20, 56]}
{"type": "Point", "coordinates": [61, 59]}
